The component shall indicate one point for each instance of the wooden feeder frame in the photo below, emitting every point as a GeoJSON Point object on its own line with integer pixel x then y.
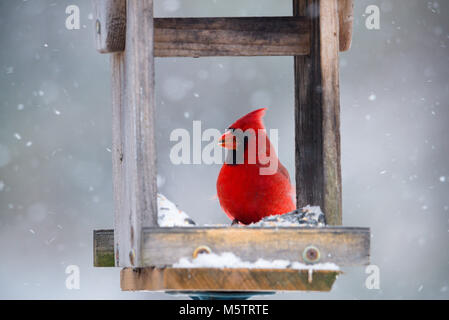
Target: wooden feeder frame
{"type": "Point", "coordinates": [314, 35]}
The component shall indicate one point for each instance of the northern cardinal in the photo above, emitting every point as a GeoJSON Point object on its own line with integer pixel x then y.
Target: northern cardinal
{"type": "Point", "coordinates": [246, 192]}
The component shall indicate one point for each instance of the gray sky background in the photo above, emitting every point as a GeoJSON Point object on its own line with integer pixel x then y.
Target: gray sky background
{"type": "Point", "coordinates": [55, 132]}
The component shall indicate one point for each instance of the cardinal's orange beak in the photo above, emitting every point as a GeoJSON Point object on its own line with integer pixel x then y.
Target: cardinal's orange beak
{"type": "Point", "coordinates": [228, 140]}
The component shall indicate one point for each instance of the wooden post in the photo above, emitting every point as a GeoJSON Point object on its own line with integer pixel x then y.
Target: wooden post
{"type": "Point", "coordinates": [317, 112]}
{"type": "Point", "coordinates": [118, 169]}
{"type": "Point", "coordinates": [110, 28]}
{"type": "Point", "coordinates": [139, 154]}
{"type": "Point", "coordinates": [134, 155]}
{"type": "Point", "coordinates": [345, 19]}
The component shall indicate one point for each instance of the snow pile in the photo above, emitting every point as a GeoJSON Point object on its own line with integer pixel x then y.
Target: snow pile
{"type": "Point", "coordinates": [227, 260]}
{"type": "Point", "coordinates": [169, 215]}
{"type": "Point", "coordinates": [230, 260]}
{"type": "Point", "coordinates": [305, 217]}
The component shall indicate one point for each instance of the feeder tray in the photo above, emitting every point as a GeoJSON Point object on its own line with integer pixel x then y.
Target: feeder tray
{"type": "Point", "coordinates": [164, 247]}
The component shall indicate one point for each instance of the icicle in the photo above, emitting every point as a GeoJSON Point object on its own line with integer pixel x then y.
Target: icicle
{"type": "Point", "coordinates": [310, 279]}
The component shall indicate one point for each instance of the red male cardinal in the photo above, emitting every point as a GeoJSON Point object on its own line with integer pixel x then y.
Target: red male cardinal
{"type": "Point", "coordinates": [247, 190]}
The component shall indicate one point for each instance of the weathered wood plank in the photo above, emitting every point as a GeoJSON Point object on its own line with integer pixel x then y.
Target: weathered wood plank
{"type": "Point", "coordinates": [118, 116]}
{"type": "Point", "coordinates": [137, 192]}
{"type": "Point", "coordinates": [345, 19]}
{"type": "Point", "coordinates": [200, 37]}
{"type": "Point", "coordinates": [330, 86]}
{"type": "Point", "coordinates": [205, 279]}
{"type": "Point", "coordinates": [317, 112]}
{"type": "Point", "coordinates": [340, 245]}
{"type": "Point", "coordinates": [164, 247]}
{"type": "Point", "coordinates": [110, 25]}
{"type": "Point", "coordinates": [247, 36]}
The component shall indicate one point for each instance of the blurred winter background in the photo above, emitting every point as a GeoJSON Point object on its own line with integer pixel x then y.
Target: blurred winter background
{"type": "Point", "coordinates": [55, 140]}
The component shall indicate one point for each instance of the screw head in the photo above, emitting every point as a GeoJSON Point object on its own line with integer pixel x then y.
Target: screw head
{"type": "Point", "coordinates": [201, 250]}
{"type": "Point", "coordinates": [311, 255]}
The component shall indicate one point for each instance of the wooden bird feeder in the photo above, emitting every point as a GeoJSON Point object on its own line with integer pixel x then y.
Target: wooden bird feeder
{"type": "Point", "coordinates": [313, 35]}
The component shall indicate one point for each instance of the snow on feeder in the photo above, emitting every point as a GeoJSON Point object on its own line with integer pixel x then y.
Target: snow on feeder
{"type": "Point", "coordinates": [302, 250]}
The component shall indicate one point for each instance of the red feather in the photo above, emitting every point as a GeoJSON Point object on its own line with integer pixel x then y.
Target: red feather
{"type": "Point", "coordinates": [244, 193]}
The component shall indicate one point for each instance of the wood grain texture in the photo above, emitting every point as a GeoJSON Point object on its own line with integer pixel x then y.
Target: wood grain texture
{"type": "Point", "coordinates": [345, 20]}
{"type": "Point", "coordinates": [330, 85]}
{"type": "Point", "coordinates": [110, 25]}
{"type": "Point", "coordinates": [204, 279]}
{"type": "Point", "coordinates": [118, 170]}
{"type": "Point", "coordinates": [165, 246]}
{"type": "Point", "coordinates": [317, 112]}
{"type": "Point", "coordinates": [200, 37]}
{"type": "Point", "coordinates": [248, 36]}
{"type": "Point", "coordinates": [134, 144]}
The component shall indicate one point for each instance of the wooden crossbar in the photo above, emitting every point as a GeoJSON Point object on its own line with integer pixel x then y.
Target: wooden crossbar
{"type": "Point", "coordinates": [254, 36]}
{"type": "Point", "coordinates": [165, 246]}
{"type": "Point", "coordinates": [200, 37]}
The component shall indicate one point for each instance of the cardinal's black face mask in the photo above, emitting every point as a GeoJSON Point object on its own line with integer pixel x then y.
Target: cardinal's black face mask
{"type": "Point", "coordinates": [237, 156]}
